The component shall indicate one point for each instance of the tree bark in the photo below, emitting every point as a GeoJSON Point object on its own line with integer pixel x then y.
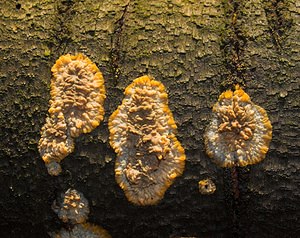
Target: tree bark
{"type": "Point", "coordinates": [197, 49]}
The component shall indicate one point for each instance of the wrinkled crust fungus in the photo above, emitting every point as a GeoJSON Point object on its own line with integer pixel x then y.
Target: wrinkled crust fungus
{"type": "Point", "coordinates": [85, 230]}
{"type": "Point", "coordinates": [71, 207]}
{"type": "Point", "coordinates": [206, 186]}
{"type": "Point", "coordinates": [76, 106]}
{"type": "Point", "coordinates": [142, 133]}
{"type": "Point", "coordinates": [240, 131]}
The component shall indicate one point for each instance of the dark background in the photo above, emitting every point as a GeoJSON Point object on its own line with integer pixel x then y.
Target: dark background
{"type": "Point", "coordinates": [197, 49]}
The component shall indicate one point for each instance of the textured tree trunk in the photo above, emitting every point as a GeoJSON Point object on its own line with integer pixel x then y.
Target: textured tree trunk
{"type": "Point", "coordinates": [196, 49]}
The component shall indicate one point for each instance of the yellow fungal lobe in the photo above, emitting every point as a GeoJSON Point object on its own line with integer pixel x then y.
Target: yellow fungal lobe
{"type": "Point", "coordinates": [76, 107]}
{"type": "Point", "coordinates": [226, 95]}
{"type": "Point", "coordinates": [142, 133]}
{"type": "Point", "coordinates": [240, 131]}
{"type": "Point", "coordinates": [240, 93]}
{"type": "Point", "coordinates": [173, 175]}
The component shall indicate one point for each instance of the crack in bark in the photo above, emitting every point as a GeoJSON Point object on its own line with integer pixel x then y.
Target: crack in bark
{"type": "Point", "coordinates": [277, 22]}
{"type": "Point", "coordinates": [233, 46]}
{"type": "Point", "coordinates": [63, 35]}
{"type": "Point", "coordinates": [115, 51]}
{"type": "Point", "coordinates": [235, 204]}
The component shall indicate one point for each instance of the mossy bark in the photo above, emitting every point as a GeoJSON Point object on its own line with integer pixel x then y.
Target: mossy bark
{"type": "Point", "coordinates": [196, 49]}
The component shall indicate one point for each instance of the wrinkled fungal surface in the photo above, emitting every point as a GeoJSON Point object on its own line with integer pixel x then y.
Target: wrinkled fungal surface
{"type": "Point", "coordinates": [76, 106]}
{"type": "Point", "coordinates": [142, 132]}
{"type": "Point", "coordinates": [206, 186]}
{"type": "Point", "coordinates": [85, 230]}
{"type": "Point", "coordinates": [71, 207]}
{"type": "Point", "coordinates": [239, 132]}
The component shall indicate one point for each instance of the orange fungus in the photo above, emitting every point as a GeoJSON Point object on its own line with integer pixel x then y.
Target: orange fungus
{"type": "Point", "coordinates": [239, 132]}
{"type": "Point", "coordinates": [142, 132]}
{"type": "Point", "coordinates": [76, 107]}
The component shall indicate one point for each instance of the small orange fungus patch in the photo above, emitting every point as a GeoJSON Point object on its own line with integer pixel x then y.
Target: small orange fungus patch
{"type": "Point", "coordinates": [71, 207]}
{"type": "Point", "coordinates": [76, 106]}
{"type": "Point", "coordinates": [206, 186]}
{"type": "Point", "coordinates": [240, 131]}
{"type": "Point", "coordinates": [142, 132]}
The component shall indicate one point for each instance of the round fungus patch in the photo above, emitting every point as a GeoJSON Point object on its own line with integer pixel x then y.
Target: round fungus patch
{"type": "Point", "coordinates": [142, 132]}
{"type": "Point", "coordinates": [76, 107]}
{"type": "Point", "coordinates": [239, 132]}
{"type": "Point", "coordinates": [206, 186]}
{"type": "Point", "coordinates": [72, 207]}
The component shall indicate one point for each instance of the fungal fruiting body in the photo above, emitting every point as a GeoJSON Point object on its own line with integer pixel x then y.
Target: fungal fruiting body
{"type": "Point", "coordinates": [72, 207]}
{"type": "Point", "coordinates": [85, 230]}
{"type": "Point", "coordinates": [206, 186]}
{"type": "Point", "coordinates": [240, 131]}
{"type": "Point", "coordinates": [142, 133]}
{"type": "Point", "coordinates": [76, 107]}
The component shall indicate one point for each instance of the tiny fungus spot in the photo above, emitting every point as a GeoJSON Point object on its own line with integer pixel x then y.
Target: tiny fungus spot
{"type": "Point", "coordinates": [206, 187]}
{"type": "Point", "coordinates": [47, 52]}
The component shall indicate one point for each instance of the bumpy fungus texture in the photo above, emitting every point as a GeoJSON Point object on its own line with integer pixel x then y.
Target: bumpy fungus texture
{"type": "Point", "coordinates": [72, 207]}
{"type": "Point", "coordinates": [142, 132]}
{"type": "Point", "coordinates": [240, 131]}
{"type": "Point", "coordinates": [86, 230]}
{"type": "Point", "coordinates": [206, 187]}
{"type": "Point", "coordinates": [76, 106]}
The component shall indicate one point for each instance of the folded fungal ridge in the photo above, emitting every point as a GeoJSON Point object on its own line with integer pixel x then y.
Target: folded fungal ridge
{"type": "Point", "coordinates": [239, 132]}
{"type": "Point", "coordinates": [142, 133]}
{"type": "Point", "coordinates": [76, 107]}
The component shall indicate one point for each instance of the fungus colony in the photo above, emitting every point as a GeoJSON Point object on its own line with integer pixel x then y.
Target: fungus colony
{"type": "Point", "coordinates": [73, 208]}
{"type": "Point", "coordinates": [142, 133]}
{"type": "Point", "coordinates": [240, 131]}
{"type": "Point", "coordinates": [76, 107]}
{"type": "Point", "coordinates": [206, 186]}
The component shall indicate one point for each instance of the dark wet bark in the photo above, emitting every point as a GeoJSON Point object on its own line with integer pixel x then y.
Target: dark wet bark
{"type": "Point", "coordinates": [196, 49]}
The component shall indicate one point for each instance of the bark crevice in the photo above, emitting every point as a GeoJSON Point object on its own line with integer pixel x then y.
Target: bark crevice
{"type": "Point", "coordinates": [233, 46]}
{"type": "Point", "coordinates": [278, 22]}
{"type": "Point", "coordinates": [63, 33]}
{"type": "Point", "coordinates": [116, 44]}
